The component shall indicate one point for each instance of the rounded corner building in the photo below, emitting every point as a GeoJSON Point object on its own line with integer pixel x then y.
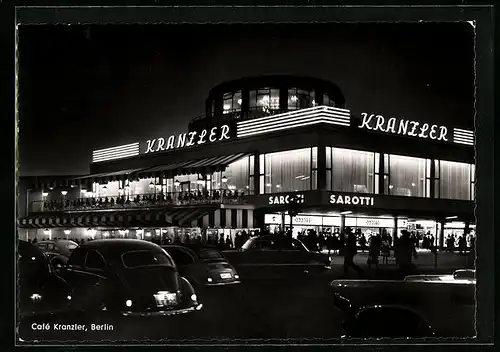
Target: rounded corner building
{"type": "Point", "coordinates": [263, 142]}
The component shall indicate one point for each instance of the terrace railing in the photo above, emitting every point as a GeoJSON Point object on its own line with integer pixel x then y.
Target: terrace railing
{"type": "Point", "coordinates": [142, 201]}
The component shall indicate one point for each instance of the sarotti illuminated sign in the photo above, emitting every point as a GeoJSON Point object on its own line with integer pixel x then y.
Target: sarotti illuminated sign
{"type": "Point", "coordinates": [189, 139]}
{"type": "Point", "coordinates": [286, 199]}
{"type": "Point", "coordinates": [404, 127]}
{"type": "Point", "coordinates": [351, 200]}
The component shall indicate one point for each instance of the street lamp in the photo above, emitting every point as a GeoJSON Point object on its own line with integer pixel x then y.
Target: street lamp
{"type": "Point", "coordinates": [151, 185]}
{"type": "Point", "coordinates": [177, 183]}
{"type": "Point", "coordinates": [64, 193]}
{"type": "Point", "coordinates": [45, 194]}
{"type": "Point", "coordinates": [67, 232]}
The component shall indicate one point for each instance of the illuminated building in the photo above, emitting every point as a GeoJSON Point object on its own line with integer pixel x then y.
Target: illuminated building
{"type": "Point", "coordinates": [264, 141]}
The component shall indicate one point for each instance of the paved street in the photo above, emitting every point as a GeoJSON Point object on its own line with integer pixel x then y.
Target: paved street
{"type": "Point", "coordinates": [255, 309]}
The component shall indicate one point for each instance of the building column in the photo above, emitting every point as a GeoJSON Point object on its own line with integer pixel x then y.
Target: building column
{"type": "Point", "coordinates": [342, 223]}
{"type": "Point", "coordinates": [256, 173]}
{"type": "Point", "coordinates": [381, 174]}
{"type": "Point", "coordinates": [433, 178]}
{"type": "Point", "coordinates": [395, 231]}
{"type": "Point", "coordinates": [441, 236]}
{"type": "Point", "coordinates": [321, 170]}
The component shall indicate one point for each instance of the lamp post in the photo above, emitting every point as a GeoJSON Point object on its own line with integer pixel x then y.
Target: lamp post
{"type": "Point", "coordinates": [64, 198]}
{"type": "Point", "coordinates": [224, 181]}
{"type": "Point", "coordinates": [177, 184]}
{"type": "Point", "coordinates": [67, 232]}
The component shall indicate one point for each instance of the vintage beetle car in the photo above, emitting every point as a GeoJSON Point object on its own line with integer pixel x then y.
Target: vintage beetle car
{"type": "Point", "coordinates": [276, 256]}
{"type": "Point", "coordinates": [58, 251]}
{"type": "Point", "coordinates": [202, 266]}
{"type": "Point", "coordinates": [129, 278]}
{"type": "Point", "coordinates": [40, 289]}
{"type": "Point", "coordinates": [419, 306]}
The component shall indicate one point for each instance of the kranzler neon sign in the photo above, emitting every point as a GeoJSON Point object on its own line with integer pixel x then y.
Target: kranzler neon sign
{"type": "Point", "coordinates": [403, 127]}
{"type": "Point", "coordinates": [189, 139]}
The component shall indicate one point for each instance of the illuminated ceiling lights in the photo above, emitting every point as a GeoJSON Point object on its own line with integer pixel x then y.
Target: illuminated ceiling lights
{"type": "Point", "coordinates": [463, 136]}
{"type": "Point", "coordinates": [299, 118]}
{"type": "Point", "coordinates": [119, 152]}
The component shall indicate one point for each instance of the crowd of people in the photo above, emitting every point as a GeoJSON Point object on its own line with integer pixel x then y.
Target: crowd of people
{"type": "Point", "coordinates": [181, 198]}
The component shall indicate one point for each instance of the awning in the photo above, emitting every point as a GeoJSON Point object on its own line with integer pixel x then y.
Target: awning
{"type": "Point", "coordinates": [183, 217]}
{"type": "Point", "coordinates": [109, 175]}
{"type": "Point", "coordinates": [205, 165]}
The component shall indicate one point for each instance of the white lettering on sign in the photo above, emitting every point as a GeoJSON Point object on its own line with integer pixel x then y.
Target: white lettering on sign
{"type": "Point", "coordinates": [188, 139]}
{"type": "Point", "coordinates": [374, 222]}
{"type": "Point", "coordinates": [404, 127]}
{"type": "Point", "coordinates": [351, 200]}
{"type": "Point", "coordinates": [285, 199]}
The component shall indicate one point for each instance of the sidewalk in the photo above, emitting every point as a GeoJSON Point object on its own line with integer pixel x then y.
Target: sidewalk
{"type": "Point", "coordinates": [425, 263]}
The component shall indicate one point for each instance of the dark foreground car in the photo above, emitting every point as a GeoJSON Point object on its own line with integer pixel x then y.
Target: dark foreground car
{"type": "Point", "coordinates": [58, 251]}
{"type": "Point", "coordinates": [126, 277]}
{"type": "Point", "coordinates": [419, 306]}
{"type": "Point", "coordinates": [40, 289]}
{"type": "Point", "coordinates": [274, 256]}
{"type": "Point", "coordinates": [203, 266]}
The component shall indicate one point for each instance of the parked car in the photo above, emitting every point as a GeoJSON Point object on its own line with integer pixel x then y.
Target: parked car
{"type": "Point", "coordinates": [58, 251]}
{"type": "Point", "coordinates": [203, 266]}
{"type": "Point", "coordinates": [274, 256]}
{"type": "Point", "coordinates": [127, 277]}
{"type": "Point", "coordinates": [40, 289]}
{"type": "Point", "coordinates": [419, 306]}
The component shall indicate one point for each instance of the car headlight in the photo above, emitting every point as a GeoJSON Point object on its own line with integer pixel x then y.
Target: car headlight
{"type": "Point", "coordinates": [209, 279]}
{"type": "Point", "coordinates": [69, 298]}
{"type": "Point", "coordinates": [128, 303]}
{"type": "Point", "coordinates": [193, 297]}
{"type": "Point", "coordinates": [236, 276]}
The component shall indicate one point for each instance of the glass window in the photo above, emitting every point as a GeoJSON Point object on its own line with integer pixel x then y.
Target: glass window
{"type": "Point", "coordinates": [300, 98]}
{"type": "Point", "coordinates": [94, 261]}
{"type": "Point", "coordinates": [275, 99]}
{"type": "Point", "coordinates": [180, 257]}
{"type": "Point", "coordinates": [77, 258]}
{"type": "Point", "coordinates": [252, 164]}
{"type": "Point", "coordinates": [327, 101]}
{"type": "Point", "coordinates": [328, 180]}
{"type": "Point", "coordinates": [237, 175]}
{"type": "Point", "coordinates": [252, 99]}
{"type": "Point", "coordinates": [352, 170]}
{"type": "Point", "coordinates": [210, 254]}
{"type": "Point", "coordinates": [288, 171]}
{"type": "Point", "coordinates": [232, 102]}
{"type": "Point", "coordinates": [315, 157]}
{"type": "Point", "coordinates": [145, 258]}
{"type": "Point", "coordinates": [328, 157]}
{"type": "Point", "coordinates": [455, 180]}
{"type": "Point", "coordinates": [407, 176]}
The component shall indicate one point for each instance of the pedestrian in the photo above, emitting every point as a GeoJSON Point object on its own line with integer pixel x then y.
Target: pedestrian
{"type": "Point", "coordinates": [362, 243]}
{"type": "Point", "coordinates": [350, 251]}
{"type": "Point", "coordinates": [374, 250]}
{"type": "Point", "coordinates": [229, 242]}
{"type": "Point", "coordinates": [404, 250]}
{"type": "Point", "coordinates": [462, 245]}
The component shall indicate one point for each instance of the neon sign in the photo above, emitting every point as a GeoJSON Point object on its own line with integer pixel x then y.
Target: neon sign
{"type": "Point", "coordinates": [281, 200]}
{"type": "Point", "coordinates": [404, 127]}
{"type": "Point", "coordinates": [351, 200]}
{"type": "Point", "coordinates": [189, 139]}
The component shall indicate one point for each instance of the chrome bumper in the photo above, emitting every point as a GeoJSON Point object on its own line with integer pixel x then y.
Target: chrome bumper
{"type": "Point", "coordinates": [163, 313]}
{"type": "Point", "coordinates": [223, 283]}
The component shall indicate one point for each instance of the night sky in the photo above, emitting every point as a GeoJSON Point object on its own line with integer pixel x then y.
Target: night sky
{"type": "Point", "coordinates": [89, 87]}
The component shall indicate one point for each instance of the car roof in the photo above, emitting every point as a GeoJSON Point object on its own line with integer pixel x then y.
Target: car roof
{"type": "Point", "coordinates": [119, 245]}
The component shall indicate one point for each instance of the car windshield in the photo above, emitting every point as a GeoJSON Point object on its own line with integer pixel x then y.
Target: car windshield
{"type": "Point", "coordinates": [210, 254]}
{"type": "Point", "coordinates": [248, 244]}
{"type": "Point", "coordinates": [136, 259]}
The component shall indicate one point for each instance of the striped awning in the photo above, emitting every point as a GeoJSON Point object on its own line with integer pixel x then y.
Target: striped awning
{"type": "Point", "coordinates": [187, 216]}
{"type": "Point", "coordinates": [147, 218]}
{"type": "Point", "coordinates": [205, 165]}
{"type": "Point", "coordinates": [109, 176]}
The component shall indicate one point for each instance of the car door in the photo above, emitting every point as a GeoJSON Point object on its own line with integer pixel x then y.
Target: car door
{"type": "Point", "coordinates": [84, 273]}
{"type": "Point", "coordinates": [292, 257]}
{"type": "Point", "coordinates": [261, 259]}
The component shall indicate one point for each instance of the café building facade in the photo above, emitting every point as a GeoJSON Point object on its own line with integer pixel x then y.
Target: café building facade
{"type": "Point", "coordinates": [262, 142]}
